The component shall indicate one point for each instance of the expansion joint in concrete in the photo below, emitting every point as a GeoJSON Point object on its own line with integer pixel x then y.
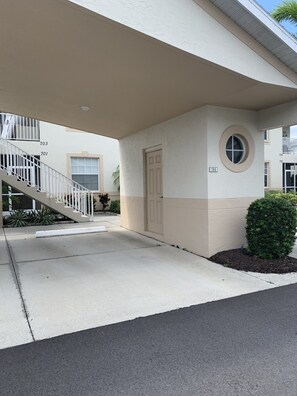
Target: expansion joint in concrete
{"type": "Point", "coordinates": [16, 278]}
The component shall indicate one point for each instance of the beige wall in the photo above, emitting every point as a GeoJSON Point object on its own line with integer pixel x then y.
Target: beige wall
{"type": "Point", "coordinates": [57, 143]}
{"type": "Point", "coordinates": [203, 212]}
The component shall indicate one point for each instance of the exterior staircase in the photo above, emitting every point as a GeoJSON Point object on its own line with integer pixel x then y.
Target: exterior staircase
{"type": "Point", "coordinates": [29, 175]}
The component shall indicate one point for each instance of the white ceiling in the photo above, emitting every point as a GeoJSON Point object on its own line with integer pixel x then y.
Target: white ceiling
{"type": "Point", "coordinates": [57, 56]}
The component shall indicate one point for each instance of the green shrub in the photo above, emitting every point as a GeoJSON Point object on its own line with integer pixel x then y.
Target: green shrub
{"type": "Point", "coordinates": [116, 177]}
{"type": "Point", "coordinates": [32, 217]}
{"type": "Point", "coordinates": [104, 199]}
{"type": "Point", "coordinates": [45, 216]}
{"type": "Point", "coordinates": [290, 197]}
{"type": "Point", "coordinates": [271, 228]}
{"type": "Point", "coordinates": [18, 218]}
{"type": "Point", "coordinates": [115, 206]}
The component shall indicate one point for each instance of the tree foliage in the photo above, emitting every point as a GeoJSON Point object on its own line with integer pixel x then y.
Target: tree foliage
{"type": "Point", "coordinates": [287, 11]}
{"type": "Point", "coordinates": [116, 177]}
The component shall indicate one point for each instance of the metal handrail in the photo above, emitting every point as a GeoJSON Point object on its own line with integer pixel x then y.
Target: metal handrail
{"type": "Point", "coordinates": [45, 178]}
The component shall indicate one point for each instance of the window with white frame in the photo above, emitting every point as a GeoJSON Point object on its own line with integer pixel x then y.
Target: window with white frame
{"type": "Point", "coordinates": [266, 136]}
{"type": "Point", "coordinates": [266, 174]}
{"type": "Point", "coordinates": [85, 171]}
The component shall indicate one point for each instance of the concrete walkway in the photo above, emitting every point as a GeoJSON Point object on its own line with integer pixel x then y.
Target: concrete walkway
{"type": "Point", "coordinates": [54, 286]}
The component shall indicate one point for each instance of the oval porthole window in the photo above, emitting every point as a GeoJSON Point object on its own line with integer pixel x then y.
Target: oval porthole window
{"type": "Point", "coordinates": [237, 149]}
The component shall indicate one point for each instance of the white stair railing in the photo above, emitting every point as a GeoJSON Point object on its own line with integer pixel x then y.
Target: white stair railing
{"type": "Point", "coordinates": [46, 179]}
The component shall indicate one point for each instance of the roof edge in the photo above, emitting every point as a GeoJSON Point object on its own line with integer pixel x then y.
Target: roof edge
{"type": "Point", "coordinates": [263, 16]}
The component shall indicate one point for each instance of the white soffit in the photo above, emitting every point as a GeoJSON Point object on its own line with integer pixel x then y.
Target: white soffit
{"type": "Point", "coordinates": [252, 18]}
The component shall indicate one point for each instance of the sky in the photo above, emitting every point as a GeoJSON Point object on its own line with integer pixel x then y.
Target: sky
{"type": "Point", "coordinates": [270, 5]}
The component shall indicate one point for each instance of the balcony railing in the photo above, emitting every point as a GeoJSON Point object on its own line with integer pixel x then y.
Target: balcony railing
{"type": "Point", "coordinates": [14, 127]}
{"type": "Point", "coordinates": [289, 146]}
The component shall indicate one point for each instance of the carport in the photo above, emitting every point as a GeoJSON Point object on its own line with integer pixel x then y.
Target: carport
{"type": "Point", "coordinates": [173, 93]}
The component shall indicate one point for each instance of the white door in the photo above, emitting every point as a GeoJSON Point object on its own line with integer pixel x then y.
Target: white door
{"type": "Point", "coordinates": [154, 191]}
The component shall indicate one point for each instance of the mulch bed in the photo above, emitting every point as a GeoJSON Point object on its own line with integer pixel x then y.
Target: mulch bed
{"type": "Point", "coordinates": [241, 260]}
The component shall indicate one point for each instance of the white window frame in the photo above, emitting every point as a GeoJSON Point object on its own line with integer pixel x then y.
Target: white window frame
{"type": "Point", "coordinates": [87, 157]}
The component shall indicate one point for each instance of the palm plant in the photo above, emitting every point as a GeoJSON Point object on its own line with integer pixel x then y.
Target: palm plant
{"type": "Point", "coordinates": [287, 11]}
{"type": "Point", "coordinates": [18, 218]}
{"type": "Point", "coordinates": [116, 177]}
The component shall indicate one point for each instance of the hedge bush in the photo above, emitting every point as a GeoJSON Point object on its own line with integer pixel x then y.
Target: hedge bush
{"type": "Point", "coordinates": [290, 197]}
{"type": "Point", "coordinates": [271, 228]}
{"type": "Point", "coordinates": [115, 206]}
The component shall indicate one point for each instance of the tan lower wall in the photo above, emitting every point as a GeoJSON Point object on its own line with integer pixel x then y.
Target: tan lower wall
{"type": "Point", "coordinates": [226, 220]}
{"type": "Point", "coordinates": [186, 225]}
{"type": "Point", "coordinates": [132, 213]}
{"type": "Point", "coordinates": [201, 226]}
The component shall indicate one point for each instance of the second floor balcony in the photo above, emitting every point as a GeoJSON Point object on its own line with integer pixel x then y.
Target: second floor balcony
{"type": "Point", "coordinates": [14, 127]}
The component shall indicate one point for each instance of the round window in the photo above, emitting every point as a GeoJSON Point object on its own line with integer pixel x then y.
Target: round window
{"type": "Point", "coordinates": [235, 149]}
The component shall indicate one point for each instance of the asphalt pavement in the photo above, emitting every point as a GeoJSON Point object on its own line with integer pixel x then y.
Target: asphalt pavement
{"type": "Point", "coordinates": [244, 345]}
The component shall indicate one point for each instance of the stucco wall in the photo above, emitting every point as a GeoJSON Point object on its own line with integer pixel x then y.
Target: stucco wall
{"type": "Point", "coordinates": [225, 183]}
{"type": "Point", "coordinates": [185, 25]}
{"type": "Point", "coordinates": [230, 193]}
{"type": "Point", "coordinates": [183, 141]}
{"type": "Point", "coordinates": [57, 142]}
{"type": "Point", "coordinates": [203, 212]}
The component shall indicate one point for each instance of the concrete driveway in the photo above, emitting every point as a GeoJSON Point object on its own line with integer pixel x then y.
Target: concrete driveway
{"type": "Point", "coordinates": [53, 286]}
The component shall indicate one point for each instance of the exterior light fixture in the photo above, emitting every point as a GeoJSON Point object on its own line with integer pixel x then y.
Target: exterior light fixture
{"type": "Point", "coordinates": [84, 108]}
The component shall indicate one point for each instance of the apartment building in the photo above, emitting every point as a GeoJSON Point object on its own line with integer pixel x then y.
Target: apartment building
{"type": "Point", "coordinates": [280, 159]}
{"type": "Point", "coordinates": [47, 156]}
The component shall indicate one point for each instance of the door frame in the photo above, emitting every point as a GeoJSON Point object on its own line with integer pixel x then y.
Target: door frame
{"type": "Point", "coordinates": [145, 178]}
